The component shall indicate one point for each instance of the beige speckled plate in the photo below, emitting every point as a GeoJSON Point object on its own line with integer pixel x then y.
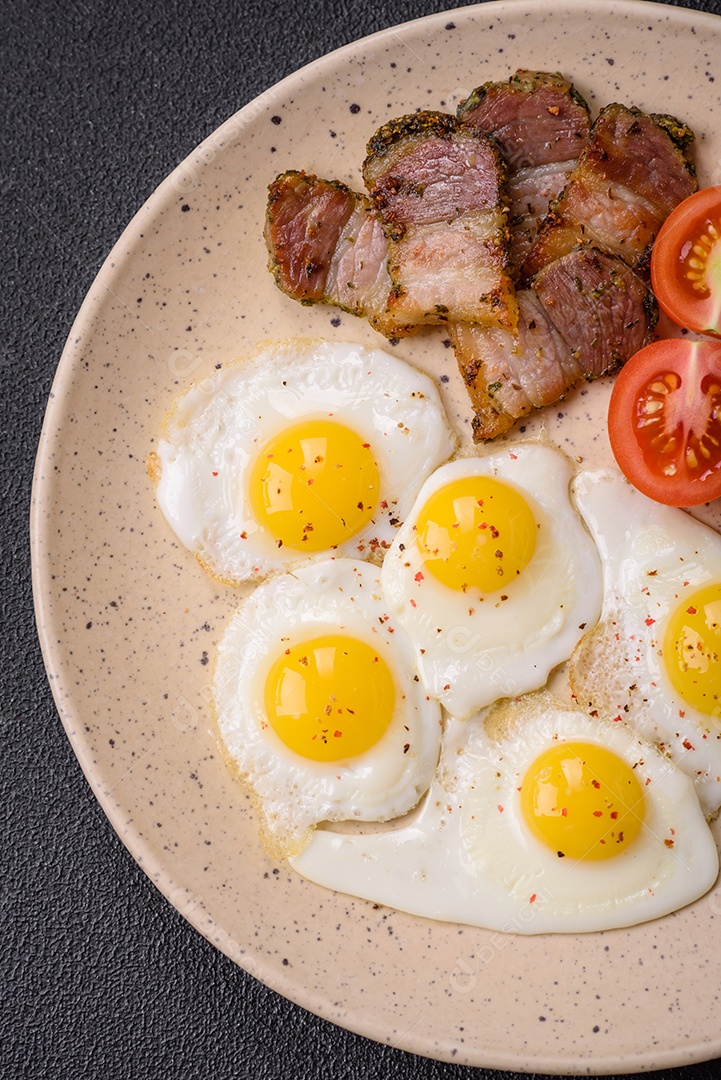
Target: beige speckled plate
{"type": "Point", "coordinates": [128, 621]}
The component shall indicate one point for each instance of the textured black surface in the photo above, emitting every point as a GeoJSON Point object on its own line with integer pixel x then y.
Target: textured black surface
{"type": "Point", "coordinates": [103, 978]}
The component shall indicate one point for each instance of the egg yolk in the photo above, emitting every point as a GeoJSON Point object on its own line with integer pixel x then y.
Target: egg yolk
{"type": "Point", "coordinates": [330, 698]}
{"type": "Point", "coordinates": [314, 485]}
{"type": "Point", "coordinates": [476, 531]}
{"type": "Point", "coordinates": [582, 801]}
{"type": "Point", "coordinates": [692, 650]}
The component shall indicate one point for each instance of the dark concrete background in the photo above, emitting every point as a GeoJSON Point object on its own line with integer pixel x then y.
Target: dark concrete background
{"type": "Point", "coordinates": [102, 977]}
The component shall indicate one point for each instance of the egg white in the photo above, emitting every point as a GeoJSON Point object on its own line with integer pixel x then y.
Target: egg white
{"type": "Point", "coordinates": [469, 857]}
{"type": "Point", "coordinates": [292, 794]}
{"type": "Point", "coordinates": [212, 435]}
{"type": "Point", "coordinates": [473, 651]}
{"type": "Point", "coordinates": [653, 556]}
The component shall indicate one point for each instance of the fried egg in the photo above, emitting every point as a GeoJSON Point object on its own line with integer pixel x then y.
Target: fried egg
{"type": "Point", "coordinates": [319, 707]}
{"type": "Point", "coordinates": [493, 575]}
{"type": "Point", "coordinates": [308, 448]}
{"type": "Point", "coordinates": [541, 820]}
{"type": "Point", "coordinates": [655, 657]}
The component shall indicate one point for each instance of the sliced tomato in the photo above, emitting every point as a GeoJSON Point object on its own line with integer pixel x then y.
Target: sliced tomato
{"type": "Point", "coordinates": [686, 263]}
{"type": "Point", "coordinates": [664, 421]}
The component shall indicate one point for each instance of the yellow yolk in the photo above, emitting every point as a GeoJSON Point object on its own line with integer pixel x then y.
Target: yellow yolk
{"type": "Point", "coordinates": [314, 485]}
{"type": "Point", "coordinates": [476, 531]}
{"type": "Point", "coordinates": [582, 801]}
{"type": "Point", "coordinates": [692, 650]}
{"type": "Point", "coordinates": [330, 698]}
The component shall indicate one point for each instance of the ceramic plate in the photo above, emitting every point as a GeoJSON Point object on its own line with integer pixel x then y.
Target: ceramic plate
{"type": "Point", "coordinates": [129, 622]}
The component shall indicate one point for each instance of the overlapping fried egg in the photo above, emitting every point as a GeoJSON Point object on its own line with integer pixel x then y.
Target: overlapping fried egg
{"type": "Point", "coordinates": [541, 819]}
{"type": "Point", "coordinates": [493, 575]}
{"type": "Point", "coordinates": [307, 449]}
{"type": "Point", "coordinates": [319, 706]}
{"type": "Point", "coordinates": [654, 659]}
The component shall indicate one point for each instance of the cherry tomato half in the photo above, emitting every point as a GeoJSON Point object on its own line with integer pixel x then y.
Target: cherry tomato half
{"type": "Point", "coordinates": [686, 263]}
{"type": "Point", "coordinates": [664, 421]}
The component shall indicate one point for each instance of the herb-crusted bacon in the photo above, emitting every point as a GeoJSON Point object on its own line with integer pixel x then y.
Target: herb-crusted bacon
{"type": "Point", "coordinates": [633, 173]}
{"type": "Point", "coordinates": [326, 245]}
{"type": "Point", "coordinates": [541, 125]}
{"type": "Point", "coordinates": [585, 314]}
{"type": "Point", "coordinates": [438, 188]}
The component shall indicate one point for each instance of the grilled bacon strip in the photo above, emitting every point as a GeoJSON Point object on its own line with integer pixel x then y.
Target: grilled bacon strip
{"type": "Point", "coordinates": [633, 173]}
{"type": "Point", "coordinates": [438, 188]}
{"type": "Point", "coordinates": [586, 314]}
{"type": "Point", "coordinates": [326, 245]}
{"type": "Point", "coordinates": [541, 125]}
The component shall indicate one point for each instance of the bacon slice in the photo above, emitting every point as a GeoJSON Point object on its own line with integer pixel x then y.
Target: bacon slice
{"type": "Point", "coordinates": [633, 173]}
{"type": "Point", "coordinates": [438, 190]}
{"type": "Point", "coordinates": [541, 125]}
{"type": "Point", "coordinates": [586, 314]}
{"type": "Point", "coordinates": [326, 245]}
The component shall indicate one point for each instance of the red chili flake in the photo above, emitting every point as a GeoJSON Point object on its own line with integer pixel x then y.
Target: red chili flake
{"type": "Point", "coordinates": [337, 734]}
{"type": "Point", "coordinates": [690, 610]}
{"type": "Point", "coordinates": [669, 843]}
{"type": "Point", "coordinates": [287, 652]}
{"type": "Point", "coordinates": [650, 622]}
{"type": "Point", "coordinates": [215, 474]}
{"type": "Point", "coordinates": [564, 811]}
{"type": "Point", "coordinates": [598, 813]}
{"type": "Point", "coordinates": [499, 808]}
{"type": "Point", "coordinates": [687, 745]}
{"type": "Point", "coordinates": [614, 815]}
{"type": "Point", "coordinates": [413, 603]}
{"type": "Point", "coordinates": [672, 831]}
{"type": "Point", "coordinates": [681, 713]}
{"type": "Point", "coordinates": [384, 505]}
{"type": "Point", "coordinates": [513, 457]}
{"type": "Point", "coordinates": [532, 898]}
{"type": "Point", "coordinates": [595, 783]}
{"type": "Point", "coordinates": [244, 535]}
{"type": "Point", "coordinates": [616, 719]}
{"type": "Point", "coordinates": [366, 446]}
{"type": "Point", "coordinates": [419, 576]}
